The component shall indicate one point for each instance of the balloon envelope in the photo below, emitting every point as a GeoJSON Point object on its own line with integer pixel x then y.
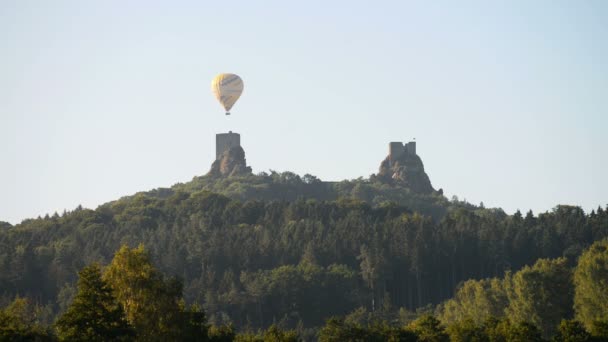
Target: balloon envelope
{"type": "Point", "coordinates": [227, 88]}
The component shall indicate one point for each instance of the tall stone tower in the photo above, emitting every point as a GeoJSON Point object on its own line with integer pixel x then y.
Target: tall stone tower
{"type": "Point", "coordinates": [226, 141]}
{"type": "Point", "coordinates": [229, 156]}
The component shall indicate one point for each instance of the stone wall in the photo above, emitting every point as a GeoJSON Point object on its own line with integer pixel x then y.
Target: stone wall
{"type": "Point", "coordinates": [225, 141]}
{"type": "Point", "coordinates": [404, 167]}
{"type": "Point", "coordinates": [397, 149]}
{"type": "Point", "coordinates": [410, 148]}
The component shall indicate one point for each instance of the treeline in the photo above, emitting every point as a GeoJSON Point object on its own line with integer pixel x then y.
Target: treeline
{"type": "Point", "coordinates": [129, 300]}
{"type": "Point", "coordinates": [255, 263]}
{"type": "Point", "coordinates": [288, 186]}
{"type": "Point", "coordinates": [548, 301]}
{"type": "Point", "coordinates": [542, 295]}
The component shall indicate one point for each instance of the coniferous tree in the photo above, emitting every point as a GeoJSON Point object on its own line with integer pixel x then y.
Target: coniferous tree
{"type": "Point", "coordinates": [95, 314]}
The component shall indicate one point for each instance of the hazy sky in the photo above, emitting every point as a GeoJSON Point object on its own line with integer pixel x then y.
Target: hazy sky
{"type": "Point", "coordinates": [507, 100]}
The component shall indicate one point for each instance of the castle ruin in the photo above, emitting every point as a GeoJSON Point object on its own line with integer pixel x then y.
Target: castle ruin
{"type": "Point", "coordinates": [229, 156]}
{"type": "Point", "coordinates": [397, 149]}
{"type": "Point", "coordinates": [226, 141]}
{"type": "Point", "coordinates": [404, 167]}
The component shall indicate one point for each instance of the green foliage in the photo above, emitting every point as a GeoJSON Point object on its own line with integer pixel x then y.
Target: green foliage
{"type": "Point", "coordinates": [475, 300]}
{"type": "Point", "coordinates": [428, 329]}
{"type": "Point", "coordinates": [466, 330]}
{"type": "Point", "coordinates": [95, 314]}
{"type": "Point", "coordinates": [272, 334]}
{"type": "Point", "coordinates": [304, 289]}
{"type": "Point", "coordinates": [541, 294]}
{"type": "Point", "coordinates": [505, 331]}
{"type": "Point", "coordinates": [591, 291]}
{"type": "Point", "coordinates": [222, 333]}
{"type": "Point", "coordinates": [152, 304]}
{"type": "Point", "coordinates": [19, 322]}
{"type": "Point", "coordinates": [600, 330]}
{"type": "Point", "coordinates": [337, 329]}
{"type": "Point", "coordinates": [571, 331]}
{"type": "Point", "coordinates": [288, 249]}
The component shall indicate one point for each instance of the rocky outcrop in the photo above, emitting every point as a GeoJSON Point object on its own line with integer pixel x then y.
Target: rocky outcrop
{"type": "Point", "coordinates": [231, 162]}
{"type": "Point", "coordinates": [405, 170]}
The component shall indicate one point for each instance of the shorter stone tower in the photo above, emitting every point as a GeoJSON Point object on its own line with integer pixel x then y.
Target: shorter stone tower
{"type": "Point", "coordinates": [226, 141]}
{"type": "Point", "coordinates": [396, 150]}
{"type": "Point", "coordinates": [403, 167]}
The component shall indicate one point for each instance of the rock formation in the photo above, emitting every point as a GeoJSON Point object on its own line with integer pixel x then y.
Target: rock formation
{"type": "Point", "coordinates": [230, 162]}
{"type": "Point", "coordinates": [404, 167]}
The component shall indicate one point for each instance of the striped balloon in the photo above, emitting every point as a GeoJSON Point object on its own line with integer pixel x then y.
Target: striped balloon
{"type": "Point", "coordinates": [227, 88]}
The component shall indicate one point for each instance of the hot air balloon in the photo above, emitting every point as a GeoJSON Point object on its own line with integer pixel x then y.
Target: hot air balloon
{"type": "Point", "coordinates": [227, 88]}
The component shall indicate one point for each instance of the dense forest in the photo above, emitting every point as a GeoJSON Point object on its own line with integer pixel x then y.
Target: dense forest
{"type": "Point", "coordinates": [131, 300]}
{"type": "Point", "coordinates": [281, 254]}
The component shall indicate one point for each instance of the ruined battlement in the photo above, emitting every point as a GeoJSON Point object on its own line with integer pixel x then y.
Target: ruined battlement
{"type": "Point", "coordinates": [397, 149]}
{"type": "Point", "coordinates": [226, 141]}
{"type": "Point", "coordinates": [404, 167]}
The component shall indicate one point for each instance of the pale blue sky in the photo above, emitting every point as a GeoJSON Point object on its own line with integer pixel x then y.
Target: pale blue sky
{"type": "Point", "coordinates": [508, 100]}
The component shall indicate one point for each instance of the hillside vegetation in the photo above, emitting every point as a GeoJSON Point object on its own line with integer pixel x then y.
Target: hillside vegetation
{"type": "Point", "coordinates": [275, 256]}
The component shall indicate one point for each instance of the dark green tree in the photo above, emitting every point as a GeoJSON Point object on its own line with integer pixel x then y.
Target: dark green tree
{"type": "Point", "coordinates": [222, 333]}
{"type": "Point", "coordinates": [467, 331]}
{"type": "Point", "coordinates": [274, 334]}
{"type": "Point", "coordinates": [505, 331]}
{"type": "Point", "coordinates": [571, 331]}
{"type": "Point", "coordinates": [336, 330]}
{"type": "Point", "coordinates": [95, 314]}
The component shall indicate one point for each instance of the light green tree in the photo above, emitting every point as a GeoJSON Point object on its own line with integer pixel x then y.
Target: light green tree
{"type": "Point", "coordinates": [475, 300]}
{"type": "Point", "coordinates": [153, 305]}
{"type": "Point", "coordinates": [18, 322]}
{"type": "Point", "coordinates": [428, 329]}
{"type": "Point", "coordinates": [591, 287]}
{"type": "Point", "coordinates": [541, 294]}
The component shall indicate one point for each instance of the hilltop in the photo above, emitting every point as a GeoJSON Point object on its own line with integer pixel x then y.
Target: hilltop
{"type": "Point", "coordinates": [401, 179]}
{"type": "Point", "coordinates": [253, 249]}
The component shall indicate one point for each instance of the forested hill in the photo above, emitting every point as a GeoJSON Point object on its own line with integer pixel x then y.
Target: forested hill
{"type": "Point", "coordinates": [253, 250]}
{"type": "Point", "coordinates": [401, 179]}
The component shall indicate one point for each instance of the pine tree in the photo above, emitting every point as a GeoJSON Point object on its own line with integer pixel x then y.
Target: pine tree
{"type": "Point", "coordinates": [95, 314]}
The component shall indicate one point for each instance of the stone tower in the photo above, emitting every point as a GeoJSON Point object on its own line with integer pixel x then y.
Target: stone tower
{"type": "Point", "coordinates": [404, 167]}
{"type": "Point", "coordinates": [226, 141]}
{"type": "Point", "coordinates": [397, 150]}
{"type": "Point", "coordinates": [229, 156]}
